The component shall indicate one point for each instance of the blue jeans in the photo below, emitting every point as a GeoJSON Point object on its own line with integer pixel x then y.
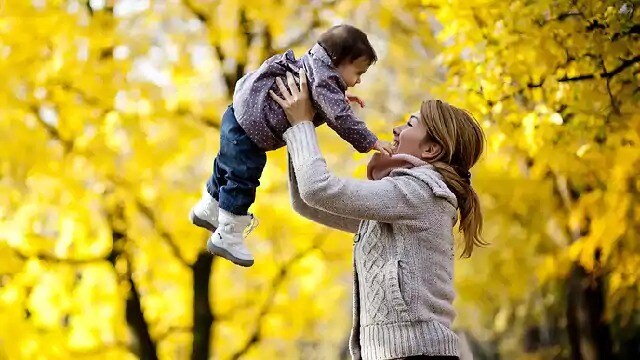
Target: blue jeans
{"type": "Point", "coordinates": [237, 168]}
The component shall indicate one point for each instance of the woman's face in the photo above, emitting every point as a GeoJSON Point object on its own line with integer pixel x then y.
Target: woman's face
{"type": "Point", "coordinates": [409, 138]}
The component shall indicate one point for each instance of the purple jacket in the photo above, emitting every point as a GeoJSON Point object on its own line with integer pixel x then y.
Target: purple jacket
{"type": "Point", "coordinates": [265, 122]}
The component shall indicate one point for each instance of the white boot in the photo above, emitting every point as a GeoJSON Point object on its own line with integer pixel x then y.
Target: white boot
{"type": "Point", "coordinates": [228, 240]}
{"type": "Point", "coordinates": [205, 212]}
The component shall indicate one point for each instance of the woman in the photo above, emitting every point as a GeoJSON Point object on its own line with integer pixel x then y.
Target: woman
{"type": "Point", "coordinates": [403, 217]}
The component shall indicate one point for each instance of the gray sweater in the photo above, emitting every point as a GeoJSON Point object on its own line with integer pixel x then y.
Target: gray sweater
{"type": "Point", "coordinates": [403, 249]}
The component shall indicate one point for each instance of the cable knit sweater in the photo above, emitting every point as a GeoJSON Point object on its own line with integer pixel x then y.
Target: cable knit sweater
{"type": "Point", "coordinates": [403, 249]}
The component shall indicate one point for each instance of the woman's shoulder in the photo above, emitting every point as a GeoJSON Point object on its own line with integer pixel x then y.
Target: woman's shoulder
{"type": "Point", "coordinates": [427, 180]}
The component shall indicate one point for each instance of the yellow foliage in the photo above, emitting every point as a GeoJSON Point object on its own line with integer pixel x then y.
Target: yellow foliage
{"type": "Point", "coordinates": [108, 124]}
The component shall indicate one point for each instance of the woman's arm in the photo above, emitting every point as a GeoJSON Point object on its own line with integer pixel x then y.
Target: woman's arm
{"type": "Point", "coordinates": [317, 215]}
{"type": "Point", "coordinates": [388, 200]}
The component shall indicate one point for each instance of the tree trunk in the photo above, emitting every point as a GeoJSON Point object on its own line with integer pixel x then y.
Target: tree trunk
{"type": "Point", "coordinates": [135, 319]}
{"type": "Point", "coordinates": [202, 315]}
{"type": "Point", "coordinates": [589, 333]}
{"type": "Point", "coordinates": [145, 346]}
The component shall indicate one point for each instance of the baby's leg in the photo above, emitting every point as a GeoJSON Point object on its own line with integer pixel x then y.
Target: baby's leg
{"type": "Point", "coordinates": [205, 212]}
{"type": "Point", "coordinates": [217, 179]}
{"type": "Point", "coordinates": [218, 176]}
{"type": "Point", "coordinates": [240, 164]}
{"type": "Point", "coordinates": [238, 168]}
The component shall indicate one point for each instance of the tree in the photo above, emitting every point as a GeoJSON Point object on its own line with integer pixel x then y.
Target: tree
{"type": "Point", "coordinates": [108, 123]}
{"type": "Point", "coordinates": [556, 87]}
{"type": "Point", "coordinates": [118, 104]}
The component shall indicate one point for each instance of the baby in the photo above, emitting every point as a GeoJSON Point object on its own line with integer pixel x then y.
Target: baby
{"type": "Point", "coordinates": [255, 123]}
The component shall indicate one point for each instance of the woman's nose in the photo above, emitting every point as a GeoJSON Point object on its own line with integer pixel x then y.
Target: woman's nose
{"type": "Point", "coordinates": [397, 130]}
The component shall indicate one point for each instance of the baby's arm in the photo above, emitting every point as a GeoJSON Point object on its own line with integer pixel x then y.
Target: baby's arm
{"type": "Point", "coordinates": [340, 117]}
{"type": "Point", "coordinates": [383, 147]}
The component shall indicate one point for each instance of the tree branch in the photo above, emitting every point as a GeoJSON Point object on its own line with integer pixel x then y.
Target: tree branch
{"type": "Point", "coordinates": [605, 74]}
{"type": "Point", "coordinates": [208, 122]}
{"type": "Point", "coordinates": [175, 250]}
{"type": "Point", "coordinates": [202, 314]}
{"type": "Point", "coordinates": [203, 119]}
{"type": "Point", "coordinates": [55, 259]}
{"type": "Point", "coordinates": [135, 317]}
{"type": "Point", "coordinates": [94, 101]}
{"type": "Point", "coordinates": [624, 65]}
{"type": "Point", "coordinates": [540, 22]}
{"type": "Point", "coordinates": [53, 132]}
{"type": "Point", "coordinates": [635, 29]}
{"type": "Point", "coordinates": [206, 20]}
{"type": "Point", "coordinates": [145, 347]}
{"type": "Point", "coordinates": [301, 37]}
{"type": "Point", "coordinates": [245, 29]}
{"type": "Point", "coordinates": [254, 338]}
{"type": "Point", "coordinates": [561, 189]}
{"type": "Point", "coordinates": [612, 99]}
{"type": "Point", "coordinates": [146, 211]}
{"type": "Point", "coordinates": [201, 15]}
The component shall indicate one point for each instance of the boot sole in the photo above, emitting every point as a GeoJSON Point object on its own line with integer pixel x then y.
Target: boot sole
{"type": "Point", "coordinates": [223, 253]}
{"type": "Point", "coordinates": [201, 222]}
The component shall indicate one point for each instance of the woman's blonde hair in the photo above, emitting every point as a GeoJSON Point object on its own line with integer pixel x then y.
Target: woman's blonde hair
{"type": "Point", "coordinates": [462, 142]}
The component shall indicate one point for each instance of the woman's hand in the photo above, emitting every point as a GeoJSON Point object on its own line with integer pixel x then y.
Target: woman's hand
{"type": "Point", "coordinates": [296, 103]}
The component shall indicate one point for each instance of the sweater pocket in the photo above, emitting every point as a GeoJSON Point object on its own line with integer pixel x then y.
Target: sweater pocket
{"type": "Point", "coordinates": [394, 282]}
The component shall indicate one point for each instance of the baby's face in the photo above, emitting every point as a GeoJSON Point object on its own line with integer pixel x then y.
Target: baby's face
{"type": "Point", "coordinates": [352, 71]}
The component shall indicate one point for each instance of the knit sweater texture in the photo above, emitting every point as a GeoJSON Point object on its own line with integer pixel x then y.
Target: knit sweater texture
{"type": "Point", "coordinates": [403, 249]}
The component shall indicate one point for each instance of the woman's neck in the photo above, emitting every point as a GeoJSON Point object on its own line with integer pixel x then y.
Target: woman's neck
{"type": "Point", "coordinates": [380, 166]}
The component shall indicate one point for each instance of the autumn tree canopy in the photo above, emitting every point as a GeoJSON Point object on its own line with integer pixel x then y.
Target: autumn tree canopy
{"type": "Point", "coordinates": [108, 123]}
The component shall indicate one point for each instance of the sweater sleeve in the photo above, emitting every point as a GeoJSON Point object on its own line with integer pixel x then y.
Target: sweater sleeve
{"type": "Point", "coordinates": [388, 200]}
{"type": "Point", "coordinates": [317, 215]}
{"type": "Point", "coordinates": [340, 116]}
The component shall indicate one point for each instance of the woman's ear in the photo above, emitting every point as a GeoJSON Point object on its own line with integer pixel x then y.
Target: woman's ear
{"type": "Point", "coordinates": [431, 151]}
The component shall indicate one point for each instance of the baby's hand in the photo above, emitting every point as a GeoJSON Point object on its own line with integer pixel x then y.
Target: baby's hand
{"type": "Point", "coordinates": [384, 147]}
{"type": "Point", "coordinates": [355, 99]}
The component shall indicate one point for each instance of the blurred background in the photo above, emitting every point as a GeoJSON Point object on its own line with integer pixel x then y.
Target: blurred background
{"type": "Point", "coordinates": [109, 116]}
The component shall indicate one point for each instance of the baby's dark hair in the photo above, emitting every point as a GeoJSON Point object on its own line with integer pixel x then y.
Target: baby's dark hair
{"type": "Point", "coordinates": [347, 43]}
